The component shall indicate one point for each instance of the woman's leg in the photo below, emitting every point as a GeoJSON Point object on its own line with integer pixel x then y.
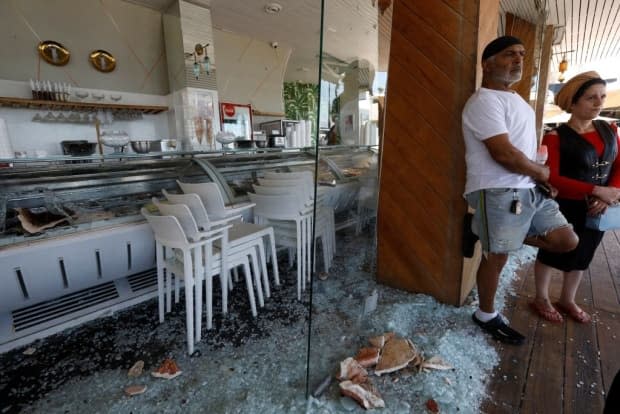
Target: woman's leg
{"type": "Point", "coordinates": [542, 303]}
{"type": "Point", "coordinates": [567, 298]}
{"type": "Point", "coordinates": [542, 277]}
{"type": "Point", "coordinates": [570, 286]}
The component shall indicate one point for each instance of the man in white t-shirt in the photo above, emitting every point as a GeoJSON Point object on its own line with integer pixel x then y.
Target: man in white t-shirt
{"type": "Point", "coordinates": [504, 183]}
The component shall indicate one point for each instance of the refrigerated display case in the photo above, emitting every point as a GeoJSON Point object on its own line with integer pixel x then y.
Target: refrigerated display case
{"type": "Point", "coordinates": [99, 255]}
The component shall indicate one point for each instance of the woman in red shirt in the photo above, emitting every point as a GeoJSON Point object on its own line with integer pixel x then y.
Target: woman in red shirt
{"type": "Point", "coordinates": [585, 168]}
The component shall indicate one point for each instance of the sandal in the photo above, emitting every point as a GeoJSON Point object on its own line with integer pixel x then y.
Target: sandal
{"type": "Point", "coordinates": [547, 313]}
{"type": "Point", "coordinates": [575, 312]}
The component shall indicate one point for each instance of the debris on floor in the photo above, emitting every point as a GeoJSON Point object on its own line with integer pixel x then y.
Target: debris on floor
{"type": "Point", "coordinates": [135, 390]}
{"type": "Point", "coordinates": [136, 369]}
{"type": "Point", "coordinates": [168, 370]}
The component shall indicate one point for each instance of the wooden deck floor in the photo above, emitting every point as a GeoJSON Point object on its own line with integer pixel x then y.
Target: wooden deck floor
{"type": "Point", "coordinates": [565, 368]}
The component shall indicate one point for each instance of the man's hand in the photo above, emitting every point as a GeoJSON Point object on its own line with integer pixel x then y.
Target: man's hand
{"type": "Point", "coordinates": [508, 156]}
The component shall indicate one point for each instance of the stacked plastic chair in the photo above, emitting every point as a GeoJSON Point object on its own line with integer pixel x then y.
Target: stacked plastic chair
{"type": "Point", "coordinates": [177, 255]}
{"type": "Point", "coordinates": [325, 220]}
{"type": "Point", "coordinates": [213, 200]}
{"type": "Point", "coordinates": [215, 260]}
{"type": "Point", "coordinates": [241, 234]}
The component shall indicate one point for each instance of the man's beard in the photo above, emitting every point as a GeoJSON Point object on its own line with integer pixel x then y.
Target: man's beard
{"type": "Point", "coordinates": [510, 78]}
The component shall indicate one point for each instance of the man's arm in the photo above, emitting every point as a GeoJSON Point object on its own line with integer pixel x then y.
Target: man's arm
{"type": "Point", "coordinates": [509, 157]}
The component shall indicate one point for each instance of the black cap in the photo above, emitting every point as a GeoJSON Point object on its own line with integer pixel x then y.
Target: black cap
{"type": "Point", "coordinates": [498, 45]}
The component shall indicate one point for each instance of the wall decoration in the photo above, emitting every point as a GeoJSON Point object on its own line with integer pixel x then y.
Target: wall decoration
{"type": "Point", "coordinates": [237, 119]}
{"type": "Point", "coordinates": [300, 100]}
{"type": "Point", "coordinates": [54, 53]}
{"type": "Point", "coordinates": [102, 61]}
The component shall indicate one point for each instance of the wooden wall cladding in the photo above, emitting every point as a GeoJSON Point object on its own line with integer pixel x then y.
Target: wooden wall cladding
{"type": "Point", "coordinates": [526, 32]}
{"type": "Point", "coordinates": [432, 72]}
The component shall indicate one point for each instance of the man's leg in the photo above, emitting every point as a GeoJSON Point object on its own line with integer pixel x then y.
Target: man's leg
{"type": "Point", "coordinates": [486, 317]}
{"type": "Point", "coordinates": [487, 279]}
{"type": "Point", "coordinates": [560, 240]}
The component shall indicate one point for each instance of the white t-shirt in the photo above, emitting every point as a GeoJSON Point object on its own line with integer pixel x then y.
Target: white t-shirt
{"type": "Point", "coordinates": [488, 113]}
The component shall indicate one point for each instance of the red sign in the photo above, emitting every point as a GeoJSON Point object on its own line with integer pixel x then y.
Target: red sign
{"type": "Point", "coordinates": [229, 110]}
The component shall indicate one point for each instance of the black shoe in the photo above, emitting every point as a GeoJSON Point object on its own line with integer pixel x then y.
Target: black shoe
{"type": "Point", "coordinates": [469, 238]}
{"type": "Point", "coordinates": [500, 331]}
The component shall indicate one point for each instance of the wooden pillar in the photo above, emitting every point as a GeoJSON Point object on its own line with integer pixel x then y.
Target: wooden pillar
{"type": "Point", "coordinates": [526, 32]}
{"type": "Point", "coordinates": [432, 73]}
{"type": "Point", "coordinates": [543, 78]}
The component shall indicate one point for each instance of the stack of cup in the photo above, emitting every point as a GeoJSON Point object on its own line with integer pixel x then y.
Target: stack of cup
{"type": "Point", "coordinates": [6, 149]}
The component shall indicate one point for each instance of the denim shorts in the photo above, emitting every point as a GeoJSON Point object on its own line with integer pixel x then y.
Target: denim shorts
{"type": "Point", "coordinates": [502, 231]}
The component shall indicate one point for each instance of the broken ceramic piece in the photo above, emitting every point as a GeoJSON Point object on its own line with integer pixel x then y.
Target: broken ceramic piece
{"type": "Point", "coordinates": [350, 369]}
{"type": "Point", "coordinates": [365, 394]}
{"type": "Point", "coordinates": [135, 390]}
{"type": "Point", "coordinates": [368, 357]}
{"type": "Point", "coordinates": [397, 354]}
{"type": "Point", "coordinates": [436, 362]}
{"type": "Point", "coordinates": [136, 369]}
{"type": "Point", "coordinates": [168, 370]}
{"type": "Point", "coordinates": [381, 340]}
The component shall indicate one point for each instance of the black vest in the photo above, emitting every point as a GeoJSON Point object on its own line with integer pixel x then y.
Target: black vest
{"type": "Point", "coordinates": [578, 157]}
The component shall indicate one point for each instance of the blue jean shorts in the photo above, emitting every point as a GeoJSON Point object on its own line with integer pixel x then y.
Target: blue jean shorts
{"type": "Point", "coordinates": [502, 231]}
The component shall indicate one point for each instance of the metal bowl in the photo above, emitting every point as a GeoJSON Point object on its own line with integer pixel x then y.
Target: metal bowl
{"type": "Point", "coordinates": [144, 146]}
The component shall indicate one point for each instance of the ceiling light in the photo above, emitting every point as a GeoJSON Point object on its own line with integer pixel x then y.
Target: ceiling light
{"type": "Point", "coordinates": [273, 8]}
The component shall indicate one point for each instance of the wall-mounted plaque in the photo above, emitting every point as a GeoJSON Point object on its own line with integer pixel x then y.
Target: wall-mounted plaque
{"type": "Point", "coordinates": [54, 53]}
{"type": "Point", "coordinates": [102, 61]}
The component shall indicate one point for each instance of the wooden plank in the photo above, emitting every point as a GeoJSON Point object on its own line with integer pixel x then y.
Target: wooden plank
{"type": "Point", "coordinates": [426, 38]}
{"type": "Point", "coordinates": [582, 389]}
{"type": "Point", "coordinates": [543, 81]}
{"type": "Point", "coordinates": [603, 290]}
{"type": "Point", "coordinates": [422, 165]}
{"type": "Point", "coordinates": [611, 247]}
{"type": "Point", "coordinates": [421, 68]}
{"type": "Point", "coordinates": [510, 377]}
{"type": "Point", "coordinates": [526, 32]}
{"type": "Point", "coordinates": [439, 16]}
{"type": "Point", "coordinates": [608, 336]}
{"type": "Point", "coordinates": [543, 389]}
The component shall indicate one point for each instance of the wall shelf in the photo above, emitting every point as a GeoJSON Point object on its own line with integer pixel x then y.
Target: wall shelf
{"type": "Point", "coordinates": [69, 106]}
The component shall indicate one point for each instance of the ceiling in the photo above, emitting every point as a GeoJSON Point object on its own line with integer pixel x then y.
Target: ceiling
{"type": "Point", "coordinates": [586, 30]}
{"type": "Point", "coordinates": [351, 29]}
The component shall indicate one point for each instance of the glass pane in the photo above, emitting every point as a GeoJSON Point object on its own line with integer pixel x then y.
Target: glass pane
{"type": "Point", "coordinates": [353, 81]}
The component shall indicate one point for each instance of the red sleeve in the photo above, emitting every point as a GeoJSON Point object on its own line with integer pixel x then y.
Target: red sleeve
{"type": "Point", "coordinates": [614, 180]}
{"type": "Point", "coordinates": [567, 187]}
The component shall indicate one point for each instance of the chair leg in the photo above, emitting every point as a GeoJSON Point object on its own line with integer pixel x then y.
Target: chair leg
{"type": "Point", "coordinates": [160, 280]}
{"type": "Point", "coordinates": [177, 288]}
{"type": "Point", "coordinates": [209, 300]}
{"type": "Point", "coordinates": [274, 257]}
{"type": "Point", "coordinates": [189, 302]}
{"type": "Point", "coordinates": [169, 276]}
{"type": "Point", "coordinates": [198, 278]}
{"type": "Point", "coordinates": [257, 282]}
{"type": "Point", "coordinates": [263, 264]}
{"type": "Point", "coordinates": [249, 286]}
{"type": "Point", "coordinates": [299, 261]}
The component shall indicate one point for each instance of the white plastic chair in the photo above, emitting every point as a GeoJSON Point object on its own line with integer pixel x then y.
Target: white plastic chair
{"type": "Point", "coordinates": [240, 235]}
{"type": "Point", "coordinates": [307, 179]}
{"type": "Point", "coordinates": [169, 236]}
{"type": "Point", "coordinates": [213, 200]}
{"type": "Point", "coordinates": [304, 187]}
{"type": "Point", "coordinates": [213, 264]}
{"type": "Point", "coordinates": [275, 208]}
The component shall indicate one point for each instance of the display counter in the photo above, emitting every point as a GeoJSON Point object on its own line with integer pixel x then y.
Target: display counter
{"type": "Point", "coordinates": [99, 253]}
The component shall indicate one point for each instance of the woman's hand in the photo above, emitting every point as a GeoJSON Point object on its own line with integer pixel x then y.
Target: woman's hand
{"type": "Point", "coordinates": [608, 195]}
{"type": "Point", "coordinates": [596, 206]}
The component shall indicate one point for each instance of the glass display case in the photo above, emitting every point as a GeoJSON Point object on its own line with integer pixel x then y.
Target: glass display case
{"type": "Point", "coordinates": [80, 218]}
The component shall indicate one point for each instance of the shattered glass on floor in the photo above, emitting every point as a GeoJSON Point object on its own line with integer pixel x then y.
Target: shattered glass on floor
{"type": "Point", "coordinates": [247, 365]}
